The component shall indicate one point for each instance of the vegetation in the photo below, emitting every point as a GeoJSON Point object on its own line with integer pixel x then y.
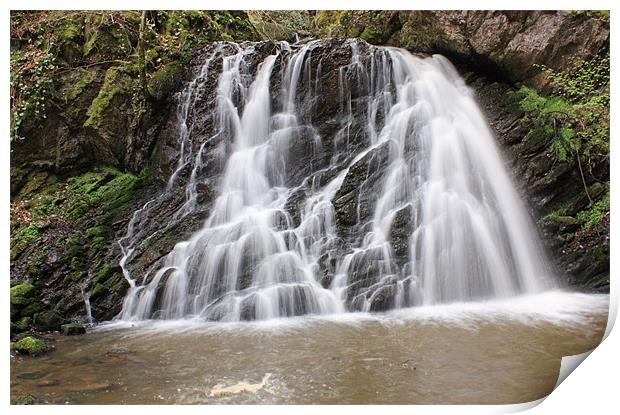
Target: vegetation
{"type": "Point", "coordinates": [573, 121]}
{"type": "Point", "coordinates": [20, 292]}
{"type": "Point", "coordinates": [25, 399]}
{"type": "Point", "coordinates": [577, 115]}
{"type": "Point", "coordinates": [30, 345]}
{"type": "Point", "coordinates": [373, 26]}
{"type": "Point", "coordinates": [53, 52]}
{"type": "Point", "coordinates": [96, 73]}
{"type": "Point", "coordinates": [591, 216]}
{"type": "Point", "coordinates": [282, 24]}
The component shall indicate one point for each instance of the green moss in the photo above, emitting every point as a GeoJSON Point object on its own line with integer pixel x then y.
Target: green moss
{"type": "Point", "coordinates": [108, 40]}
{"type": "Point", "coordinates": [36, 182]}
{"type": "Point", "coordinates": [75, 84]}
{"type": "Point", "coordinates": [47, 320]}
{"type": "Point", "coordinates": [31, 309]}
{"type": "Point", "coordinates": [98, 290]}
{"type": "Point", "coordinates": [372, 35]}
{"type": "Point", "coordinates": [602, 14]}
{"type": "Point", "coordinates": [104, 273]}
{"type": "Point", "coordinates": [45, 205]}
{"type": "Point", "coordinates": [70, 30]}
{"type": "Point", "coordinates": [106, 189]}
{"type": "Point", "coordinates": [25, 399]}
{"type": "Point", "coordinates": [30, 345]}
{"type": "Point", "coordinates": [74, 245]}
{"type": "Point", "coordinates": [592, 216]}
{"type": "Point", "coordinates": [164, 80]}
{"type": "Point", "coordinates": [20, 293]}
{"type": "Point", "coordinates": [98, 243]}
{"type": "Point", "coordinates": [23, 239]}
{"type": "Point", "coordinates": [569, 129]}
{"type": "Point", "coordinates": [94, 231]}
{"type": "Point", "coordinates": [118, 80]}
{"type": "Point", "coordinates": [23, 323]}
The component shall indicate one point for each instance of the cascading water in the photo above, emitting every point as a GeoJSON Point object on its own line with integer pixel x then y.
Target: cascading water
{"type": "Point", "coordinates": [427, 168]}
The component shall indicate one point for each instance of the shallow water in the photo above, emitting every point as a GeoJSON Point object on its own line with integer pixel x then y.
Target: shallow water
{"type": "Point", "coordinates": [479, 353]}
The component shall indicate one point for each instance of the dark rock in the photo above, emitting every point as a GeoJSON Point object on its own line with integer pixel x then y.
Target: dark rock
{"type": "Point", "coordinates": [48, 320]}
{"type": "Point", "coordinates": [383, 298]}
{"type": "Point", "coordinates": [354, 200]}
{"type": "Point", "coordinates": [32, 375]}
{"type": "Point", "coordinates": [73, 329]}
{"type": "Point", "coordinates": [48, 383]}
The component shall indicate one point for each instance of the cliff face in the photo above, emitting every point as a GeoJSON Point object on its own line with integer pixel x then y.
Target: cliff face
{"type": "Point", "coordinates": [508, 43]}
{"type": "Point", "coordinates": [89, 147]}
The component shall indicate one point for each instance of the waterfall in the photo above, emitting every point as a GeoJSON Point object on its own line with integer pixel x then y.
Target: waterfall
{"type": "Point", "coordinates": [434, 217]}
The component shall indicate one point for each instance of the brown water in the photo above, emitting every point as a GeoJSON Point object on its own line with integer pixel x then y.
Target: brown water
{"type": "Point", "coordinates": [480, 354]}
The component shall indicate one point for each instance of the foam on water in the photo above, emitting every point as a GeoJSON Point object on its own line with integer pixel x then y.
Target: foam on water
{"type": "Point", "coordinates": [553, 307]}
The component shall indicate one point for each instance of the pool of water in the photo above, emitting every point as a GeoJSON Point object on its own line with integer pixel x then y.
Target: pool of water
{"type": "Point", "coordinates": [477, 353]}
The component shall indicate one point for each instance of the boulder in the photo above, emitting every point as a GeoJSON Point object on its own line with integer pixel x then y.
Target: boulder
{"type": "Point", "coordinates": [32, 346]}
{"type": "Point", "coordinates": [72, 329]}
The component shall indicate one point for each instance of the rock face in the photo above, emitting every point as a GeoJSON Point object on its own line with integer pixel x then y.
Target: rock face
{"type": "Point", "coordinates": [69, 207]}
{"type": "Point", "coordinates": [508, 42]}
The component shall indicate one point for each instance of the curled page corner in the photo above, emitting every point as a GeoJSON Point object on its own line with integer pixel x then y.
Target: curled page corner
{"type": "Point", "coordinates": [568, 364]}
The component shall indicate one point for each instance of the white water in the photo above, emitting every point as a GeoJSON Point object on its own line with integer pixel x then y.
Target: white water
{"type": "Point", "coordinates": [470, 236]}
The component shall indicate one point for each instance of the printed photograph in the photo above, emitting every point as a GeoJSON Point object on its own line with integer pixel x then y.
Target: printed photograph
{"type": "Point", "coordinates": [306, 206]}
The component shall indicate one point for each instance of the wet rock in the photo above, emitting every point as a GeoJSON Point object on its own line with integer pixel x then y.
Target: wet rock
{"type": "Point", "coordinates": [31, 345]}
{"type": "Point", "coordinates": [72, 329]}
{"type": "Point", "coordinates": [32, 375]}
{"type": "Point", "coordinates": [48, 383]}
{"type": "Point", "coordinates": [47, 320]}
{"type": "Point", "coordinates": [354, 200]}
{"type": "Point", "coordinates": [89, 387]}
{"type": "Point", "coordinates": [383, 298]}
{"type": "Point", "coordinates": [399, 233]}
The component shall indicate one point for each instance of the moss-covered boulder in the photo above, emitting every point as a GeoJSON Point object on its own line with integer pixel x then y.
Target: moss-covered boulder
{"type": "Point", "coordinates": [31, 346]}
{"type": "Point", "coordinates": [48, 320]}
{"type": "Point", "coordinates": [21, 294]}
{"type": "Point", "coordinates": [165, 80]}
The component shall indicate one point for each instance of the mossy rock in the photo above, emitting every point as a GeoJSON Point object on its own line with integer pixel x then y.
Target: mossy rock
{"type": "Point", "coordinates": [119, 80]}
{"type": "Point", "coordinates": [25, 399]}
{"type": "Point", "coordinates": [49, 320]}
{"type": "Point", "coordinates": [73, 329]}
{"type": "Point", "coordinates": [21, 294]}
{"type": "Point", "coordinates": [75, 83]}
{"type": "Point", "coordinates": [30, 346]}
{"type": "Point", "coordinates": [107, 41]}
{"type": "Point", "coordinates": [165, 80]}
{"type": "Point", "coordinates": [23, 323]}
{"type": "Point", "coordinates": [31, 309]}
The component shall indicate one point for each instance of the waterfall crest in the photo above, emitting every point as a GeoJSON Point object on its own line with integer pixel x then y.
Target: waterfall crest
{"type": "Point", "coordinates": [407, 203]}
